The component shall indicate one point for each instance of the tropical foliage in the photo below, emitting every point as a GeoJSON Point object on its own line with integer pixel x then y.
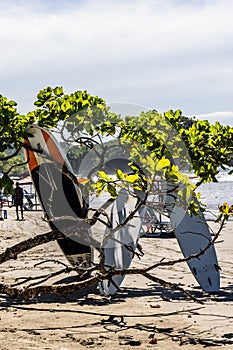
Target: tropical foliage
{"type": "Point", "coordinates": [165, 144]}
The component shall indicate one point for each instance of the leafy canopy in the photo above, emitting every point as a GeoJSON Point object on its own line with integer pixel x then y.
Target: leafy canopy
{"type": "Point", "coordinates": [164, 144]}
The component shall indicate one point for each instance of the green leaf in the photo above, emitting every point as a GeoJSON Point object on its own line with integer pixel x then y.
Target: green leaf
{"type": "Point", "coordinates": [112, 190]}
{"type": "Point", "coordinates": [58, 91]}
{"type": "Point", "coordinates": [120, 175]}
{"type": "Point", "coordinates": [150, 163]}
{"type": "Point", "coordinates": [65, 106]}
{"type": "Point", "coordinates": [132, 178]}
{"type": "Point", "coordinates": [103, 175]}
{"type": "Point", "coordinates": [99, 186]}
{"type": "Point", "coordinates": [162, 163]}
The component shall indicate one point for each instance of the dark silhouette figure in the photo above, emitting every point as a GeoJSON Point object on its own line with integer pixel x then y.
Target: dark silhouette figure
{"type": "Point", "coordinates": [18, 200]}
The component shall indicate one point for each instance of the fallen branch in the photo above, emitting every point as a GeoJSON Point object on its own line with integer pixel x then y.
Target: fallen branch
{"type": "Point", "coordinates": [28, 292]}
{"type": "Point", "coordinates": [102, 272]}
{"type": "Point", "coordinates": [14, 251]}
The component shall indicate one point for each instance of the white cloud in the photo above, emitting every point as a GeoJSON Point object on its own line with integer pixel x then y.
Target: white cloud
{"type": "Point", "coordinates": [163, 54]}
{"type": "Point", "coordinates": [226, 118]}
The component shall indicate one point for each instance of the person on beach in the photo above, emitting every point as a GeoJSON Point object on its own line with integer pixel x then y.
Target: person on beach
{"type": "Point", "coordinates": [18, 200]}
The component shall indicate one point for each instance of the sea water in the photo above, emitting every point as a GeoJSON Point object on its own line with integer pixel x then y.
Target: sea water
{"type": "Point", "coordinates": [213, 195]}
{"type": "Point", "coordinates": [216, 193]}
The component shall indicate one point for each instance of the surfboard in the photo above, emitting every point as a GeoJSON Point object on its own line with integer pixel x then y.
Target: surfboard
{"type": "Point", "coordinates": [193, 235]}
{"type": "Point", "coordinates": [120, 244]}
{"type": "Point", "coordinates": [59, 196]}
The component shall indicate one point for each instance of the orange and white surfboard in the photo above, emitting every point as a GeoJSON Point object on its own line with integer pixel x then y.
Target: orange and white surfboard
{"type": "Point", "coordinates": [60, 197]}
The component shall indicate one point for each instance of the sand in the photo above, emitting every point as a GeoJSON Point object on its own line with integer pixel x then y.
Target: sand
{"type": "Point", "coordinates": [144, 311]}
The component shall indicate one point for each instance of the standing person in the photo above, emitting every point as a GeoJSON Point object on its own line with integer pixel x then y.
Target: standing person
{"type": "Point", "coordinates": [18, 200]}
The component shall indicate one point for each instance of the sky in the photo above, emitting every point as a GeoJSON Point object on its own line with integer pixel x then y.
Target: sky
{"type": "Point", "coordinates": [159, 54]}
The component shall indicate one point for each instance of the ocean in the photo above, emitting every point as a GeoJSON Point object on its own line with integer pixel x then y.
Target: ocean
{"type": "Point", "coordinates": [216, 193]}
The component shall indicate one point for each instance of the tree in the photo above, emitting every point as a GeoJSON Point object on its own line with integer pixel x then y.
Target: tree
{"type": "Point", "coordinates": [154, 144]}
{"type": "Point", "coordinates": [210, 146]}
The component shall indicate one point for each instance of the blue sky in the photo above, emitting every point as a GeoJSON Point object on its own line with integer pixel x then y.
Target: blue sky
{"type": "Point", "coordinates": [154, 53]}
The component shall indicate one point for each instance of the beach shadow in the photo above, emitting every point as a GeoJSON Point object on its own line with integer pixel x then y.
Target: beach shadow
{"type": "Point", "coordinates": [224, 295]}
{"type": "Point", "coordinates": [168, 294]}
{"type": "Point", "coordinates": [163, 235]}
{"type": "Point", "coordinates": [91, 295]}
{"type": "Point", "coordinates": [87, 296]}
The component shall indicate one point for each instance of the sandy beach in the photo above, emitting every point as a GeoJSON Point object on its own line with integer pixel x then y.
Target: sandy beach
{"type": "Point", "coordinates": [143, 316]}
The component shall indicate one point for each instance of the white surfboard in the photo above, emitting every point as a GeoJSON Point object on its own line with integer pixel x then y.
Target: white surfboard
{"type": "Point", "coordinates": [116, 253]}
{"type": "Point", "coordinates": [193, 235]}
{"type": "Point", "coordinates": [58, 194]}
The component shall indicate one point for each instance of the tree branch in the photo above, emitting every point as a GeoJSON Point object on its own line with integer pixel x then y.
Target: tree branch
{"type": "Point", "coordinates": [14, 251]}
